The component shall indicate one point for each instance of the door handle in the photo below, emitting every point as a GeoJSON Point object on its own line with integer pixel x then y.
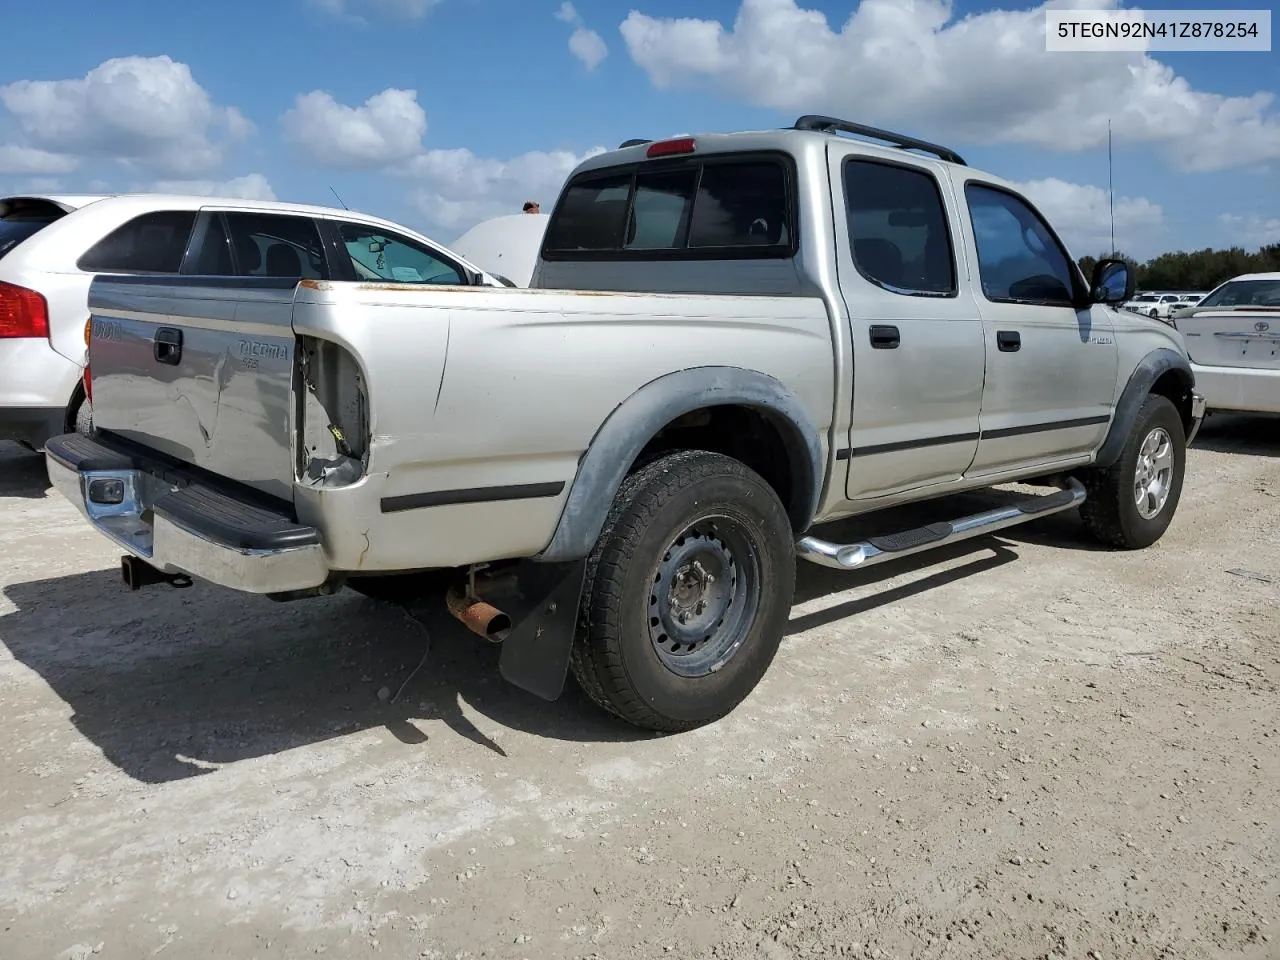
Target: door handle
{"type": "Point", "coordinates": [1009, 341]}
{"type": "Point", "coordinates": [166, 346]}
{"type": "Point", "coordinates": [884, 337]}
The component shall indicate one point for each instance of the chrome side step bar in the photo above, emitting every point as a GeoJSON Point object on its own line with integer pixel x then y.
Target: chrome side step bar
{"type": "Point", "coordinates": [850, 556]}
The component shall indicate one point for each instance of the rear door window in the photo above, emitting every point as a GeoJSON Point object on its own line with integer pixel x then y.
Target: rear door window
{"type": "Point", "coordinates": [151, 243]}
{"type": "Point", "coordinates": [275, 245]}
{"type": "Point", "coordinates": [898, 228]}
{"type": "Point", "coordinates": [379, 255]}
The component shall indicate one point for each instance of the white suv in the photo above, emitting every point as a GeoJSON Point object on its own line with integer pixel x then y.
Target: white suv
{"type": "Point", "coordinates": [51, 247]}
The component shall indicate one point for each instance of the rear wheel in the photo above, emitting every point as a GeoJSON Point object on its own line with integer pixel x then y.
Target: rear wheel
{"type": "Point", "coordinates": [1131, 503]}
{"type": "Point", "coordinates": [84, 418]}
{"type": "Point", "coordinates": [687, 592]}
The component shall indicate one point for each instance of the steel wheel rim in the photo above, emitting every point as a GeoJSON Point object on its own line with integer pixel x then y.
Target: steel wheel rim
{"type": "Point", "coordinates": [1153, 474]}
{"type": "Point", "coordinates": [703, 596]}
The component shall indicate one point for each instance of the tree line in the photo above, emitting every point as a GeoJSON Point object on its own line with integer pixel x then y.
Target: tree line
{"type": "Point", "coordinates": [1198, 270]}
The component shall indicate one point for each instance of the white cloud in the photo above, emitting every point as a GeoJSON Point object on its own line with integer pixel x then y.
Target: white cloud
{"type": "Point", "coordinates": [588, 46]}
{"type": "Point", "coordinates": [20, 160]}
{"type": "Point", "coordinates": [453, 188]}
{"type": "Point", "coordinates": [585, 44]}
{"type": "Point", "coordinates": [44, 185]}
{"type": "Point", "coordinates": [147, 112]}
{"type": "Point", "coordinates": [387, 128]}
{"type": "Point", "coordinates": [1250, 231]}
{"type": "Point", "coordinates": [400, 9]}
{"type": "Point", "coordinates": [457, 189]}
{"type": "Point", "coordinates": [1081, 215]}
{"type": "Point", "coordinates": [252, 186]}
{"type": "Point", "coordinates": [986, 77]}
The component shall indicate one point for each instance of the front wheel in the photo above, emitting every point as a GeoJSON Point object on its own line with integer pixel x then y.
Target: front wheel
{"type": "Point", "coordinates": [1131, 503]}
{"type": "Point", "coordinates": [687, 592]}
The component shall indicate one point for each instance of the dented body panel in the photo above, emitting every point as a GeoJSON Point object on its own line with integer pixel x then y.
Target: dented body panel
{"type": "Point", "coordinates": [202, 373]}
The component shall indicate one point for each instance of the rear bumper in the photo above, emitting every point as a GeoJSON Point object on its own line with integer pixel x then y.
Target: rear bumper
{"type": "Point", "coordinates": [36, 387]}
{"type": "Point", "coordinates": [178, 523]}
{"type": "Point", "coordinates": [32, 425]}
{"type": "Point", "coordinates": [1242, 389]}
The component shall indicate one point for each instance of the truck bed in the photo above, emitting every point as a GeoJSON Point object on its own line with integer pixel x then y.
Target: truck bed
{"type": "Point", "coordinates": [413, 426]}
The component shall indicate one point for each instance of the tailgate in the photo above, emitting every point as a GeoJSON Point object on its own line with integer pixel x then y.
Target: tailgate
{"type": "Point", "coordinates": [1233, 337]}
{"type": "Point", "coordinates": [198, 369]}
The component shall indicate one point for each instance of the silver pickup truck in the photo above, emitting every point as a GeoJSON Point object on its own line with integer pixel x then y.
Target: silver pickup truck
{"type": "Point", "coordinates": [730, 340]}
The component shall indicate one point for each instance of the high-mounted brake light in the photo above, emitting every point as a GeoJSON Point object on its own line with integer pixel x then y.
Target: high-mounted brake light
{"type": "Point", "coordinates": [23, 312]}
{"type": "Point", "coordinates": [671, 148]}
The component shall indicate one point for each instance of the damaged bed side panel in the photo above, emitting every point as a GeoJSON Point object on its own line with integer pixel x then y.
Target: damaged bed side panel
{"type": "Point", "coordinates": [333, 414]}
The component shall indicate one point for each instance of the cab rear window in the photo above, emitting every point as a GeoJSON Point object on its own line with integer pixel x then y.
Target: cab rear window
{"type": "Point", "coordinates": [714, 208]}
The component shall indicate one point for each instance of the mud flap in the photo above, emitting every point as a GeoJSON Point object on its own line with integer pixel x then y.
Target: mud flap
{"type": "Point", "coordinates": [543, 607]}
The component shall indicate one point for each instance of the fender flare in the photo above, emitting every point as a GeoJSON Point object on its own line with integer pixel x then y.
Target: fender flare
{"type": "Point", "coordinates": [635, 421]}
{"type": "Point", "coordinates": [1148, 370]}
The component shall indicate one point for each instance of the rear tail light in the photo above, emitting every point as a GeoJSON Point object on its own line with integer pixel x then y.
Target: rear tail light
{"type": "Point", "coordinates": [23, 312]}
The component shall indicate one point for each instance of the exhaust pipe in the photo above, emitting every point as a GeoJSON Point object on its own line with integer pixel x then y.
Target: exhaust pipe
{"type": "Point", "coordinates": [482, 619]}
{"type": "Point", "coordinates": [137, 574]}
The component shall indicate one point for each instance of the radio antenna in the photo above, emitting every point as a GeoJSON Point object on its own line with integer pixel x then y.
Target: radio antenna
{"type": "Point", "coordinates": [335, 193]}
{"type": "Point", "coordinates": [1111, 192]}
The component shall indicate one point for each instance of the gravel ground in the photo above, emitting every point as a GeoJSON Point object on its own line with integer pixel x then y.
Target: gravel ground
{"type": "Point", "coordinates": [1023, 747]}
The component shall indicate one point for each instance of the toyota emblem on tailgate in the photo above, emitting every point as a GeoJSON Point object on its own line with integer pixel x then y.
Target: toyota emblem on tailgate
{"type": "Point", "coordinates": [1262, 326]}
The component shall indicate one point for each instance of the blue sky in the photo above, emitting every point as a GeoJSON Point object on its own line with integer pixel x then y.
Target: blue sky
{"type": "Point", "coordinates": [439, 113]}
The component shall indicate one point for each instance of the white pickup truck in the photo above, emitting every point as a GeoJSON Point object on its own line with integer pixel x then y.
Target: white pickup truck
{"type": "Point", "coordinates": [730, 340]}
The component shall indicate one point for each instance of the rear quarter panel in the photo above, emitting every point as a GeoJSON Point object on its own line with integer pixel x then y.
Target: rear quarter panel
{"type": "Point", "coordinates": [47, 262]}
{"type": "Point", "coordinates": [482, 387]}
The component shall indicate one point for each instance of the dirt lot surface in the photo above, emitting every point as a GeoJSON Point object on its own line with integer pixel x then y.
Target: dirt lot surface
{"type": "Point", "coordinates": [1026, 747]}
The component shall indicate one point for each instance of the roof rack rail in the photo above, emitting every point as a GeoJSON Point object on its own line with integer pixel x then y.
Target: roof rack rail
{"type": "Point", "coordinates": [817, 122]}
{"type": "Point", "coordinates": [633, 143]}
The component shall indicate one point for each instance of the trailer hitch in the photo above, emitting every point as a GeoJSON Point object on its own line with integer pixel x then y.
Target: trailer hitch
{"type": "Point", "coordinates": [138, 573]}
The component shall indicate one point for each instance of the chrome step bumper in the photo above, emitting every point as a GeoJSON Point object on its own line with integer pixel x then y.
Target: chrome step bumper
{"type": "Point", "coordinates": [181, 525]}
{"type": "Point", "coordinates": [873, 550]}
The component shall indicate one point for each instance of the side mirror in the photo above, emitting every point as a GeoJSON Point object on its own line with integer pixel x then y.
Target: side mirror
{"type": "Point", "coordinates": [1113, 282]}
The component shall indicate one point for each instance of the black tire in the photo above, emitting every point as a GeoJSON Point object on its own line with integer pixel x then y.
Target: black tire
{"type": "Point", "coordinates": [673, 521]}
{"type": "Point", "coordinates": [402, 588]}
{"type": "Point", "coordinates": [1110, 511]}
{"type": "Point", "coordinates": [83, 419]}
